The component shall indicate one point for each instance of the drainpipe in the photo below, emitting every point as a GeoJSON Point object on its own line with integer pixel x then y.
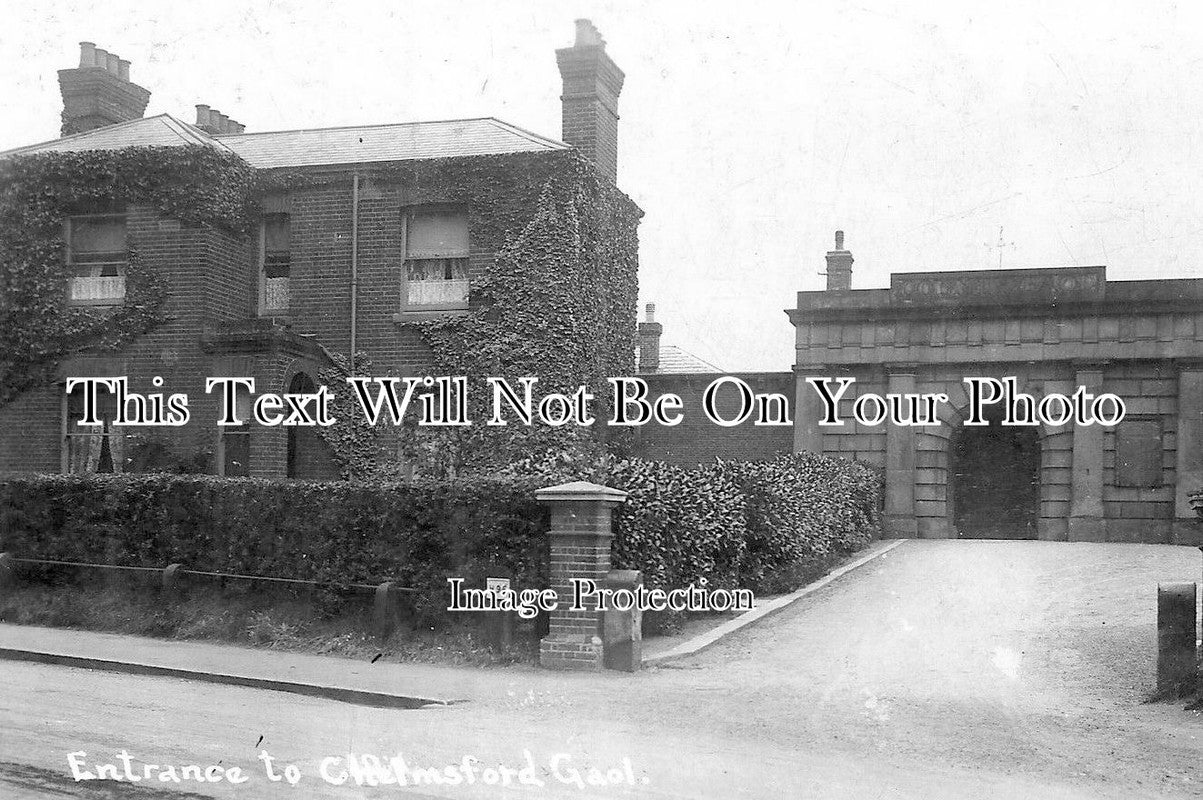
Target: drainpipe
{"type": "Point", "coordinates": [354, 266]}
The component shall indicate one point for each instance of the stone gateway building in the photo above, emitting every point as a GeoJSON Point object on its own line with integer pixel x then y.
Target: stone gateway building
{"type": "Point", "coordinates": [1053, 330]}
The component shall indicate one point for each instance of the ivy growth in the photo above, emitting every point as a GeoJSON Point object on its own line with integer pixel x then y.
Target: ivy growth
{"type": "Point", "coordinates": [354, 443]}
{"type": "Point", "coordinates": [558, 304]}
{"type": "Point", "coordinates": [558, 301]}
{"type": "Point", "coordinates": [194, 185]}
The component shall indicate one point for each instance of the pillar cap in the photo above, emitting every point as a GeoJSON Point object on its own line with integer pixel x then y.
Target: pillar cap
{"type": "Point", "coordinates": [580, 490]}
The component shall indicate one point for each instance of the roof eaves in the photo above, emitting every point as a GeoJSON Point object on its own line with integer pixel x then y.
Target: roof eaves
{"type": "Point", "coordinates": [187, 133]}
{"type": "Point", "coordinates": [534, 137]}
{"type": "Point", "coordinates": [16, 151]}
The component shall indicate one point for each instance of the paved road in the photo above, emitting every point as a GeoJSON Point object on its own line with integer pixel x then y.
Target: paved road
{"type": "Point", "coordinates": [941, 670]}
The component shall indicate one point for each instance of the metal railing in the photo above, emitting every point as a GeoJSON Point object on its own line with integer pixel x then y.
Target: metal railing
{"type": "Point", "coordinates": [173, 574]}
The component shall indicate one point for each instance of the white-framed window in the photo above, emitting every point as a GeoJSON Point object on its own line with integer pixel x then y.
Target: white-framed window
{"type": "Point", "coordinates": [97, 255]}
{"type": "Point", "coordinates": [436, 259]}
{"type": "Point", "coordinates": [92, 448]}
{"type": "Point", "coordinates": [275, 263]}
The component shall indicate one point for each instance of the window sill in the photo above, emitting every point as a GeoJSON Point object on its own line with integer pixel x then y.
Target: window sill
{"type": "Point", "coordinates": [427, 314]}
{"type": "Point", "coordinates": [98, 304]}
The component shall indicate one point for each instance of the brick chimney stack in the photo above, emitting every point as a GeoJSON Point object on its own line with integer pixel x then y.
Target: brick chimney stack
{"type": "Point", "coordinates": [592, 82]}
{"type": "Point", "coordinates": [839, 266]}
{"type": "Point", "coordinates": [649, 341]}
{"type": "Point", "coordinates": [213, 122]}
{"type": "Point", "coordinates": [98, 92]}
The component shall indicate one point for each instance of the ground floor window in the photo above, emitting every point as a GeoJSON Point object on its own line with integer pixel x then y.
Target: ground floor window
{"type": "Point", "coordinates": [92, 448]}
{"type": "Point", "coordinates": [235, 443]}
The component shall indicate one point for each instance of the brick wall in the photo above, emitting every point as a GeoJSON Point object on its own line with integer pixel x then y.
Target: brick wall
{"type": "Point", "coordinates": [697, 440]}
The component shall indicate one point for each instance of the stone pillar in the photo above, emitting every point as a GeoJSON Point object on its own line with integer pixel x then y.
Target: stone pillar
{"type": "Point", "coordinates": [808, 410]}
{"type": "Point", "coordinates": [1086, 494]}
{"type": "Point", "coordinates": [900, 467]}
{"type": "Point", "coordinates": [622, 627]}
{"type": "Point", "coordinates": [1189, 473]}
{"type": "Point", "coordinates": [580, 548]}
{"type": "Point", "coordinates": [1177, 666]}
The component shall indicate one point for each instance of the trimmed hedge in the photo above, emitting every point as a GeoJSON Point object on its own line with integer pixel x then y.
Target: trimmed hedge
{"type": "Point", "coordinates": [415, 534]}
{"type": "Point", "coordinates": [804, 511]}
{"type": "Point", "coordinates": [768, 526]}
{"type": "Point", "coordinates": [678, 525]}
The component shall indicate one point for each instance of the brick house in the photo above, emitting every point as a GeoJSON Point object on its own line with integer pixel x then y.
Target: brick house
{"type": "Point", "coordinates": [368, 237]}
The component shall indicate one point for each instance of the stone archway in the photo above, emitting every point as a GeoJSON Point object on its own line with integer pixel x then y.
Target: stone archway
{"type": "Point", "coordinates": [994, 481]}
{"type": "Point", "coordinates": [936, 467]}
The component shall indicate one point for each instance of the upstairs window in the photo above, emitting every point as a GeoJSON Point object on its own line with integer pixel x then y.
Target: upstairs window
{"type": "Point", "coordinates": [436, 260]}
{"type": "Point", "coordinates": [276, 264]}
{"type": "Point", "coordinates": [97, 255]}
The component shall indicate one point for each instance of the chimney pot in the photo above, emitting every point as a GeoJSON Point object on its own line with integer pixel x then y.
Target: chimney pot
{"type": "Point", "coordinates": [649, 341]}
{"type": "Point", "coordinates": [587, 34]}
{"type": "Point", "coordinates": [98, 92]}
{"type": "Point", "coordinates": [839, 266]}
{"type": "Point", "coordinates": [202, 115]}
{"type": "Point", "coordinates": [223, 123]}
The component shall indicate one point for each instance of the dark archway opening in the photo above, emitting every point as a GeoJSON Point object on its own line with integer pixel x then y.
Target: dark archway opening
{"type": "Point", "coordinates": [308, 454]}
{"type": "Point", "coordinates": [995, 480]}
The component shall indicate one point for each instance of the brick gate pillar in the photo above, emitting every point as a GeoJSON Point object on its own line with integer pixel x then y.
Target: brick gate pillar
{"type": "Point", "coordinates": [580, 548]}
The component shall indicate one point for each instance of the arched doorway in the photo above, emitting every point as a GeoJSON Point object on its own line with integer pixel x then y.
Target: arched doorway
{"type": "Point", "coordinates": [308, 454]}
{"type": "Point", "coordinates": [995, 480]}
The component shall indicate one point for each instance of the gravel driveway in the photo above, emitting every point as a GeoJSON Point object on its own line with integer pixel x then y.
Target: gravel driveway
{"type": "Point", "coordinates": [1025, 659]}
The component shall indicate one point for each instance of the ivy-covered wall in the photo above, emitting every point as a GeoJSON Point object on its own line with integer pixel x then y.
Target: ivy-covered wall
{"type": "Point", "coordinates": [554, 259]}
{"type": "Point", "coordinates": [554, 263]}
{"type": "Point", "coordinates": [189, 210]}
{"type": "Point", "coordinates": [194, 186]}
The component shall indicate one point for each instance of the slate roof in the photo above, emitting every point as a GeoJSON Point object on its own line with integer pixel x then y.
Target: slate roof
{"type": "Point", "coordinates": [161, 131]}
{"type": "Point", "coordinates": [675, 361]}
{"type": "Point", "coordinates": [317, 146]}
{"type": "Point", "coordinates": [399, 142]}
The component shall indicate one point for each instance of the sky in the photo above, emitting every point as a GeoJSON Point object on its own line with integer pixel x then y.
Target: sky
{"type": "Point", "coordinates": [749, 132]}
